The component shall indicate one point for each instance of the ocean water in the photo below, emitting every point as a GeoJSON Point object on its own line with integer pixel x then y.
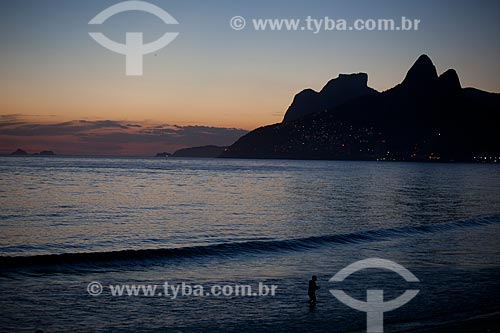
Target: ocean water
{"type": "Point", "coordinates": [67, 222]}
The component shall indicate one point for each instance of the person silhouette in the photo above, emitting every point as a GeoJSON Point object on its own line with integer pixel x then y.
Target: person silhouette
{"type": "Point", "coordinates": [311, 291]}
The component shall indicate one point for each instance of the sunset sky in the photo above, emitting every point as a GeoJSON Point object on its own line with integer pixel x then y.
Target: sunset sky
{"type": "Point", "coordinates": [62, 91]}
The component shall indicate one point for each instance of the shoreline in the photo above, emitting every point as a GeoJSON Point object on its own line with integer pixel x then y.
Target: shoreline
{"type": "Point", "coordinates": [487, 323]}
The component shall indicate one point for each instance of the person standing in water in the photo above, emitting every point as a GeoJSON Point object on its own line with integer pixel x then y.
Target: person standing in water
{"type": "Point", "coordinates": [311, 291]}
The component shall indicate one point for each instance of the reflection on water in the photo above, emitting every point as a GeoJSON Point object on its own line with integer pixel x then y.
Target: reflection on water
{"type": "Point", "coordinates": [55, 205]}
{"type": "Point", "coordinates": [355, 210]}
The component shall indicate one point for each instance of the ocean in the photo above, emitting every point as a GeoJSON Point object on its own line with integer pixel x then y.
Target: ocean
{"type": "Point", "coordinates": [67, 222]}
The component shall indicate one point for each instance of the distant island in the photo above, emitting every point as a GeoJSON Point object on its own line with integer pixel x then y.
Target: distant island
{"type": "Point", "coordinates": [164, 154]}
{"type": "Point", "coordinates": [21, 152]}
{"type": "Point", "coordinates": [427, 117]}
{"type": "Point", "coordinates": [204, 151]}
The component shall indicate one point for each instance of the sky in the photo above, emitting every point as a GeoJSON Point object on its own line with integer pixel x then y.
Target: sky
{"type": "Point", "coordinates": [62, 91]}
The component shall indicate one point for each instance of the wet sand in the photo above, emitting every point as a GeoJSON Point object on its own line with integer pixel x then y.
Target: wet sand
{"type": "Point", "coordinates": [481, 324]}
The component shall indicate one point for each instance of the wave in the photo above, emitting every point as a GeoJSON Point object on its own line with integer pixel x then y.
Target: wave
{"type": "Point", "coordinates": [230, 249]}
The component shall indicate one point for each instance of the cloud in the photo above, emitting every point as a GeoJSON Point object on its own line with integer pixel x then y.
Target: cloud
{"type": "Point", "coordinates": [10, 117]}
{"type": "Point", "coordinates": [70, 127]}
{"type": "Point", "coordinates": [7, 120]}
{"type": "Point", "coordinates": [108, 137]}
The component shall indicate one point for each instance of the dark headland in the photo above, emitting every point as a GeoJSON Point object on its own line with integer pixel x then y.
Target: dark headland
{"type": "Point", "coordinates": [204, 151]}
{"type": "Point", "coordinates": [427, 117]}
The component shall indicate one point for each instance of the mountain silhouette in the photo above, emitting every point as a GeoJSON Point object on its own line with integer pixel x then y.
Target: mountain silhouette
{"type": "Point", "coordinates": [422, 74]}
{"type": "Point", "coordinates": [340, 90]}
{"type": "Point", "coordinates": [425, 117]}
